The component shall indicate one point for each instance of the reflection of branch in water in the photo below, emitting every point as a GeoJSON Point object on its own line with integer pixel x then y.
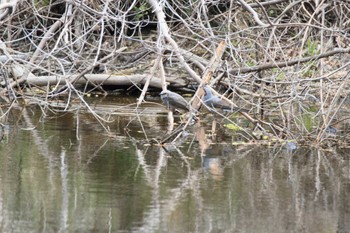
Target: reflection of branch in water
{"type": "Point", "coordinates": [317, 178]}
{"type": "Point", "coordinates": [142, 162]}
{"type": "Point", "coordinates": [183, 157]}
{"type": "Point", "coordinates": [161, 209]}
{"type": "Point", "coordinates": [193, 178]}
{"type": "Point", "coordinates": [95, 154]}
{"type": "Point", "coordinates": [41, 144]}
{"type": "Point", "coordinates": [3, 114]}
{"type": "Point", "coordinates": [240, 155]}
{"type": "Point", "coordinates": [99, 119]}
{"type": "Point", "coordinates": [174, 133]}
{"type": "Point", "coordinates": [77, 131]}
{"type": "Point", "coordinates": [153, 181]}
{"type": "Point", "coordinates": [323, 160]}
{"type": "Point", "coordinates": [170, 121]}
{"type": "Point", "coordinates": [139, 120]}
{"type": "Point", "coordinates": [65, 196]}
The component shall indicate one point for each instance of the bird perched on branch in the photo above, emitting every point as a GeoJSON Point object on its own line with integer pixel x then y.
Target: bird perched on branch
{"type": "Point", "coordinates": [174, 101]}
{"type": "Point", "coordinates": [214, 102]}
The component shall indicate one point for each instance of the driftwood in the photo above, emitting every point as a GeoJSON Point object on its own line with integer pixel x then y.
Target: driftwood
{"type": "Point", "coordinates": [103, 79]}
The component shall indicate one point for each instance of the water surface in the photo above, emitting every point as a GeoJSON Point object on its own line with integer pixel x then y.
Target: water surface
{"type": "Point", "coordinates": [64, 173]}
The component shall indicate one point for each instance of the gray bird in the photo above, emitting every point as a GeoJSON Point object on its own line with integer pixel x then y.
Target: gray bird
{"type": "Point", "coordinates": [214, 102]}
{"type": "Point", "coordinates": [174, 101]}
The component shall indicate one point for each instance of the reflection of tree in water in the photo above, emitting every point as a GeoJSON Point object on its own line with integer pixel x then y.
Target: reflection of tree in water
{"type": "Point", "coordinates": [259, 189]}
{"type": "Point", "coordinates": [195, 187]}
{"type": "Point", "coordinates": [344, 208]}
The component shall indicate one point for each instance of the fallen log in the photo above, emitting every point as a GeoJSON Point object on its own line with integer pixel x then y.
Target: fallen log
{"type": "Point", "coordinates": [103, 79]}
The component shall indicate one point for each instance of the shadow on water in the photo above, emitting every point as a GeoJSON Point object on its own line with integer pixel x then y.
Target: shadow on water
{"type": "Point", "coordinates": [64, 173]}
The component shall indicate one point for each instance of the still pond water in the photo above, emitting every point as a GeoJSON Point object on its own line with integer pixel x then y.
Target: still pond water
{"type": "Point", "coordinates": [63, 173]}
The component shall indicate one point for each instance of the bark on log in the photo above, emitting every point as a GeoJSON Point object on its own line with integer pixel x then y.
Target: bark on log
{"type": "Point", "coordinates": [103, 79]}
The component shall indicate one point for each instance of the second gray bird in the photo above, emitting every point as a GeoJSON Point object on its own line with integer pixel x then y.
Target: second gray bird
{"type": "Point", "coordinates": [214, 102]}
{"type": "Point", "coordinates": [174, 101]}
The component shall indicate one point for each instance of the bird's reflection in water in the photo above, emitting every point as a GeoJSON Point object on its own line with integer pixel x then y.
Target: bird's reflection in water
{"type": "Point", "coordinates": [214, 166]}
{"type": "Point", "coordinates": [209, 163]}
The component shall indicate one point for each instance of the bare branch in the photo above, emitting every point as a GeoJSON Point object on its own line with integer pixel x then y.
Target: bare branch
{"type": "Point", "coordinates": [254, 13]}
